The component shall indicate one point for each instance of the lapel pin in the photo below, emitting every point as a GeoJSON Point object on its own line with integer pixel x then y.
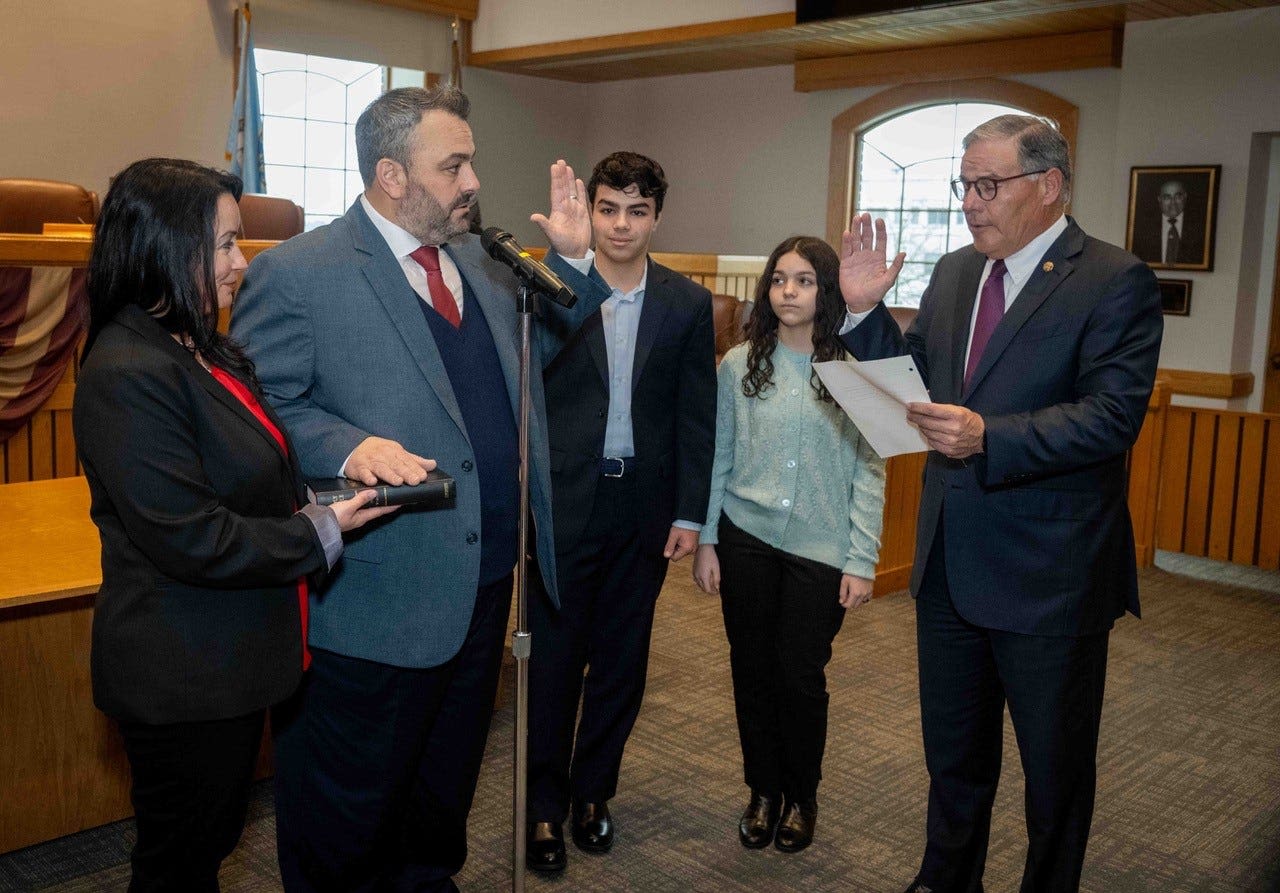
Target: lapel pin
{"type": "Point", "coordinates": [1048, 266]}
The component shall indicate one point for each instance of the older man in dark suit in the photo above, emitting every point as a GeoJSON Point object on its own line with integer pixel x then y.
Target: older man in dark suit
{"type": "Point", "coordinates": [1038, 345]}
{"type": "Point", "coordinates": [631, 405]}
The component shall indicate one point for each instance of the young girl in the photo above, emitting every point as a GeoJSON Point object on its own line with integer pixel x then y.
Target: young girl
{"type": "Point", "coordinates": [802, 497]}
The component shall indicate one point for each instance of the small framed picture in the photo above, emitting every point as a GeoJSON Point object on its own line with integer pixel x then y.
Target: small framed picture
{"type": "Point", "coordinates": [1172, 215]}
{"type": "Point", "coordinates": [1175, 296]}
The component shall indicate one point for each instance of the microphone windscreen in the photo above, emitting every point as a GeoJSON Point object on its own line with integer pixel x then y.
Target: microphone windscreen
{"type": "Point", "coordinates": [491, 236]}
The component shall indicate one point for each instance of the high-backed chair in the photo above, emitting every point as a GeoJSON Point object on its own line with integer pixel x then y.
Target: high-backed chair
{"type": "Point", "coordinates": [269, 217]}
{"type": "Point", "coordinates": [729, 318]}
{"type": "Point", "coordinates": [26, 205]}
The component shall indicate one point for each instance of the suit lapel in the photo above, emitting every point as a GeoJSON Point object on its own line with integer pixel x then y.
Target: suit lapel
{"type": "Point", "coordinates": [1055, 267]}
{"type": "Point", "coordinates": [652, 312]}
{"type": "Point", "coordinates": [137, 319]}
{"type": "Point", "coordinates": [966, 297]}
{"type": "Point", "coordinates": [387, 279]}
{"type": "Point", "coordinates": [593, 332]}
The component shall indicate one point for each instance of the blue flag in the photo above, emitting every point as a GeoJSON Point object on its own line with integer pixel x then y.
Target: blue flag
{"type": "Point", "coordinates": [244, 137]}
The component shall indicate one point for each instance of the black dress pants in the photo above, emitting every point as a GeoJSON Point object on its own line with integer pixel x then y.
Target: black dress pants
{"type": "Point", "coordinates": [781, 614]}
{"type": "Point", "coordinates": [377, 765]}
{"type": "Point", "coordinates": [1053, 686]}
{"type": "Point", "coordinates": [190, 793]}
{"type": "Point", "coordinates": [594, 649]}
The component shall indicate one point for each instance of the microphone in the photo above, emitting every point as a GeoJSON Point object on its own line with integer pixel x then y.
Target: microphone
{"type": "Point", "coordinates": [503, 247]}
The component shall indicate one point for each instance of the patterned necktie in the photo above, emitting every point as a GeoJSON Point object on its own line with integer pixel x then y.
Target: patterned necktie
{"type": "Point", "coordinates": [990, 311]}
{"type": "Point", "coordinates": [1171, 243]}
{"type": "Point", "coordinates": [428, 257]}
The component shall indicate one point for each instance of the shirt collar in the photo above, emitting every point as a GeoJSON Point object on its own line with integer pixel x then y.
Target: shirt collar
{"type": "Point", "coordinates": [1021, 264]}
{"type": "Point", "coordinates": [636, 293]}
{"type": "Point", "coordinates": [401, 242]}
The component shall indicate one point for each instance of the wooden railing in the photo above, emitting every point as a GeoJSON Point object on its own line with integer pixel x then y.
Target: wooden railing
{"type": "Point", "coordinates": [1220, 486]}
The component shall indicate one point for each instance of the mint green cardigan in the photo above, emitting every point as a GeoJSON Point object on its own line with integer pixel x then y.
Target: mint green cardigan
{"type": "Point", "coordinates": [793, 471]}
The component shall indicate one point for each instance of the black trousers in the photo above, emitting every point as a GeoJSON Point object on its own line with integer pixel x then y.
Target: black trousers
{"type": "Point", "coordinates": [781, 614]}
{"type": "Point", "coordinates": [595, 649]}
{"type": "Point", "coordinates": [377, 765]}
{"type": "Point", "coordinates": [1053, 686]}
{"type": "Point", "coordinates": [190, 793]}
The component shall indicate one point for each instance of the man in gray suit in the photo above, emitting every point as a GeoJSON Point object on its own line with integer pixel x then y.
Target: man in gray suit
{"type": "Point", "coordinates": [387, 341]}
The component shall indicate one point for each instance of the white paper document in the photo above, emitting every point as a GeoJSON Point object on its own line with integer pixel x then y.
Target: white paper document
{"type": "Point", "coordinates": [875, 395]}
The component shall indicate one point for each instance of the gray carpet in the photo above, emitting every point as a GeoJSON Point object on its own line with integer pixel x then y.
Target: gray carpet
{"type": "Point", "coordinates": [1189, 765]}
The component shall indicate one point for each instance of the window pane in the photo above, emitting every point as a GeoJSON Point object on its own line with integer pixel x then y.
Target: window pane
{"type": "Point", "coordinates": [363, 92]}
{"type": "Point", "coordinates": [283, 140]}
{"type": "Point", "coordinates": [355, 186]}
{"type": "Point", "coordinates": [325, 193]}
{"type": "Point", "coordinates": [343, 71]}
{"type": "Point", "coordinates": [326, 144]}
{"type": "Point", "coordinates": [287, 183]}
{"type": "Point", "coordinates": [272, 60]}
{"type": "Point", "coordinates": [326, 98]}
{"type": "Point", "coordinates": [284, 93]}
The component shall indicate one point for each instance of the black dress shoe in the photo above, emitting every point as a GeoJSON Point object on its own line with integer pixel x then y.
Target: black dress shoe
{"type": "Point", "coordinates": [758, 823]}
{"type": "Point", "coordinates": [592, 827]}
{"type": "Point", "coordinates": [544, 847]}
{"type": "Point", "coordinates": [795, 831]}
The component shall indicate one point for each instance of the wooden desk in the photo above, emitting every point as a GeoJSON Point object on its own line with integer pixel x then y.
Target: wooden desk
{"type": "Point", "coordinates": [62, 767]}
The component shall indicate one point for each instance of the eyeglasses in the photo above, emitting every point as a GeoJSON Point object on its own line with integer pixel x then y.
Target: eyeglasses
{"type": "Point", "coordinates": [986, 187]}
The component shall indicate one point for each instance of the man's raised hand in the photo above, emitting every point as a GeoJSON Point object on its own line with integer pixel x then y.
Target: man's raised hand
{"type": "Point", "coordinates": [865, 277]}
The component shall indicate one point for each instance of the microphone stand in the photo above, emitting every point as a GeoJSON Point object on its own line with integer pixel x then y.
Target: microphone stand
{"type": "Point", "coordinates": [521, 638]}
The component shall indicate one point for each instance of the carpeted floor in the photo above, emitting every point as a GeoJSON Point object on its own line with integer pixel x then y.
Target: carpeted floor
{"type": "Point", "coordinates": [1188, 794]}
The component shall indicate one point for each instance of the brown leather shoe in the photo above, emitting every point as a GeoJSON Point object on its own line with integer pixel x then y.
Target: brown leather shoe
{"type": "Point", "coordinates": [760, 820]}
{"type": "Point", "coordinates": [544, 847]}
{"type": "Point", "coordinates": [795, 830]}
{"type": "Point", "coordinates": [592, 827]}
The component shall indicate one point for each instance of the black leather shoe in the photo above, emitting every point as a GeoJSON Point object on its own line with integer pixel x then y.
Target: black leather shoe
{"type": "Point", "coordinates": [592, 827]}
{"type": "Point", "coordinates": [758, 823]}
{"type": "Point", "coordinates": [795, 831]}
{"type": "Point", "coordinates": [544, 847]}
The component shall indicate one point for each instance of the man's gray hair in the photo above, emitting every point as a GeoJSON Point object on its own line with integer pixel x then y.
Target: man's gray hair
{"type": "Point", "coordinates": [1040, 144]}
{"type": "Point", "coordinates": [382, 130]}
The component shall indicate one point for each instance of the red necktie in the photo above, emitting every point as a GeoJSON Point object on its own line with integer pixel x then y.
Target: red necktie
{"type": "Point", "coordinates": [990, 311]}
{"type": "Point", "coordinates": [428, 257]}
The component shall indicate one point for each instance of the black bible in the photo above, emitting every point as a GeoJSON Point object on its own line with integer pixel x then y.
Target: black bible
{"type": "Point", "coordinates": [439, 490]}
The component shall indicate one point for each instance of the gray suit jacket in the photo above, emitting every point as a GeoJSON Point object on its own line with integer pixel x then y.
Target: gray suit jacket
{"type": "Point", "coordinates": [343, 352]}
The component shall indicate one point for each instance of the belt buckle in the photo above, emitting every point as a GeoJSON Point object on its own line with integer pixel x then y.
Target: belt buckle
{"type": "Point", "coordinates": [622, 466]}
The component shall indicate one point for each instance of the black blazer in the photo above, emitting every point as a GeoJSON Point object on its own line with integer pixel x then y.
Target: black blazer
{"type": "Point", "coordinates": [1037, 532]}
{"type": "Point", "coordinates": [673, 411]}
{"type": "Point", "coordinates": [197, 617]}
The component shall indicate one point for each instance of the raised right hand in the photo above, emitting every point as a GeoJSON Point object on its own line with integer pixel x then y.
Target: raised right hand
{"type": "Point", "coordinates": [865, 278]}
{"type": "Point", "coordinates": [378, 459]}
{"type": "Point", "coordinates": [706, 570]}
{"type": "Point", "coordinates": [351, 512]}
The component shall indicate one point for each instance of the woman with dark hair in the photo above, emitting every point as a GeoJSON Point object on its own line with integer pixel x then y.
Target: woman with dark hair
{"type": "Point", "coordinates": [792, 534]}
{"type": "Point", "coordinates": [199, 626]}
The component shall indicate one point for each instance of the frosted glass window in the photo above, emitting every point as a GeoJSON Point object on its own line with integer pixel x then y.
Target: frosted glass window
{"type": "Point", "coordinates": [309, 109]}
{"type": "Point", "coordinates": [904, 178]}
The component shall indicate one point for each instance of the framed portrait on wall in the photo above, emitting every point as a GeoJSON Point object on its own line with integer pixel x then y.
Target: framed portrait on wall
{"type": "Point", "coordinates": [1175, 296]}
{"type": "Point", "coordinates": [1172, 215]}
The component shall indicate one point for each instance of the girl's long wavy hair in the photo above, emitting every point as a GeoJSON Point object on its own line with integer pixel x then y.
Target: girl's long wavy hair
{"type": "Point", "coordinates": [762, 326]}
{"type": "Point", "coordinates": [153, 246]}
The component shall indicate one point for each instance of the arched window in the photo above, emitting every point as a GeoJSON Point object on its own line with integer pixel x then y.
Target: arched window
{"type": "Point", "coordinates": [895, 154]}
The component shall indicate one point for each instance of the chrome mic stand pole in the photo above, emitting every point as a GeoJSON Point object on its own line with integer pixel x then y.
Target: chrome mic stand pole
{"type": "Point", "coordinates": [521, 639]}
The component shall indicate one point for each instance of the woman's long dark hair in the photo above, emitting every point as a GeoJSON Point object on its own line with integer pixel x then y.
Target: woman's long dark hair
{"type": "Point", "coordinates": [762, 326]}
{"type": "Point", "coordinates": [153, 246]}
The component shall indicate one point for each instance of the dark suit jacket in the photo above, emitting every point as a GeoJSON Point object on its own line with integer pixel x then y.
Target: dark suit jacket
{"type": "Point", "coordinates": [1149, 246]}
{"type": "Point", "coordinates": [197, 617]}
{"type": "Point", "coordinates": [1037, 532]}
{"type": "Point", "coordinates": [673, 411]}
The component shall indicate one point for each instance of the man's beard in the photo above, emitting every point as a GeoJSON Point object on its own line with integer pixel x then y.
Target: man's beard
{"type": "Point", "coordinates": [426, 218]}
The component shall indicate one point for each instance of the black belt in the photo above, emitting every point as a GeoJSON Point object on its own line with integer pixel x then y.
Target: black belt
{"type": "Point", "coordinates": [617, 466]}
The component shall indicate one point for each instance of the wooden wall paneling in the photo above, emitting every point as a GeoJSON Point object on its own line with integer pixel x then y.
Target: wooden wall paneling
{"type": "Point", "coordinates": [1244, 539]}
{"type": "Point", "coordinates": [1200, 484]}
{"type": "Point", "coordinates": [1222, 501]}
{"type": "Point", "coordinates": [1269, 518]}
{"type": "Point", "coordinates": [1172, 508]}
{"type": "Point", "coordinates": [17, 456]}
{"type": "Point", "coordinates": [1144, 474]}
{"type": "Point", "coordinates": [1219, 385]}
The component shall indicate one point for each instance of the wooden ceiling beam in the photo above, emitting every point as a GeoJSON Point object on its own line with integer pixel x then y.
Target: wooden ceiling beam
{"type": "Point", "coordinates": [463, 9]}
{"type": "Point", "coordinates": [993, 58]}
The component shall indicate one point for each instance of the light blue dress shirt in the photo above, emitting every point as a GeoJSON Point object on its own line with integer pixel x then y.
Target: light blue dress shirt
{"type": "Point", "coordinates": [620, 315]}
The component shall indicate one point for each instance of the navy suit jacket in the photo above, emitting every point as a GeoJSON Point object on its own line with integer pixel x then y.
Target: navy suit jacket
{"type": "Point", "coordinates": [1036, 528]}
{"type": "Point", "coordinates": [344, 351]}
{"type": "Point", "coordinates": [673, 411]}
